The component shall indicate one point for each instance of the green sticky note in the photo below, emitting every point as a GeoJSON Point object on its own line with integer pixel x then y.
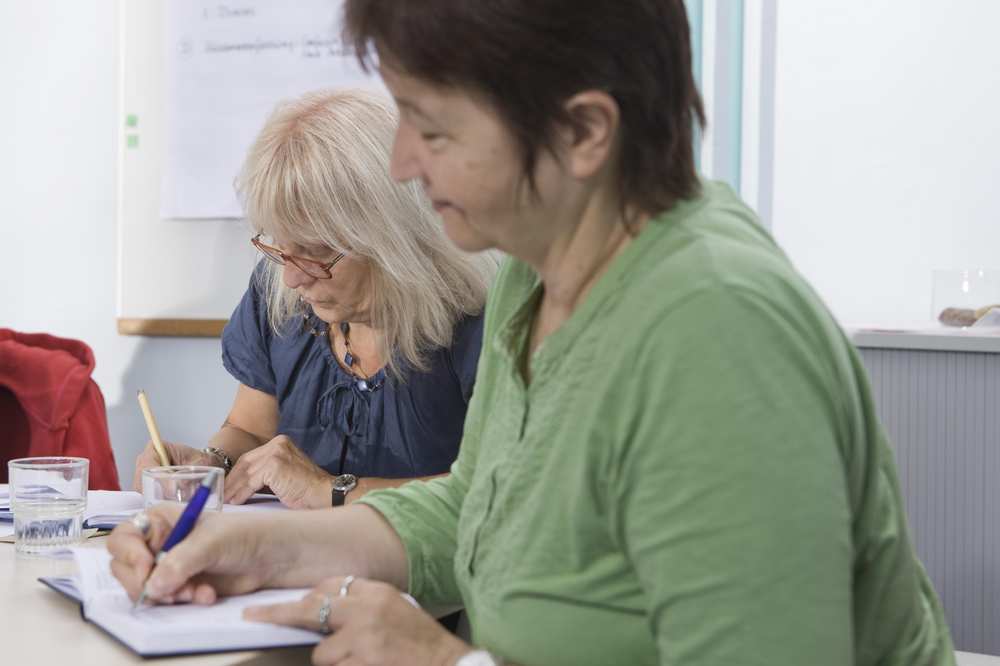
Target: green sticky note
{"type": "Point", "coordinates": [131, 120]}
{"type": "Point", "coordinates": [132, 141]}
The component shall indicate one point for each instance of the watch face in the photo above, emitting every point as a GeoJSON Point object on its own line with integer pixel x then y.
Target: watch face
{"type": "Point", "coordinates": [345, 483]}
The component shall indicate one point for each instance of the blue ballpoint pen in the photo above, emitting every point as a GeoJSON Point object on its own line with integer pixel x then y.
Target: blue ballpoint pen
{"type": "Point", "coordinates": [184, 524]}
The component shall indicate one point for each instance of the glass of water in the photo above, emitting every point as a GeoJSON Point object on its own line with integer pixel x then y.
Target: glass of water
{"type": "Point", "coordinates": [178, 483]}
{"type": "Point", "coordinates": [48, 497]}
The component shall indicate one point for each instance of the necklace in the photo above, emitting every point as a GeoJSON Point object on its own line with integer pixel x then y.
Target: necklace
{"type": "Point", "coordinates": [308, 326]}
{"type": "Point", "coordinates": [362, 381]}
{"type": "Point", "coordinates": [351, 360]}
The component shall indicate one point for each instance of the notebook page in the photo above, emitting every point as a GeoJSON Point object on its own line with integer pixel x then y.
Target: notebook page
{"type": "Point", "coordinates": [93, 576]}
{"type": "Point", "coordinates": [180, 628]}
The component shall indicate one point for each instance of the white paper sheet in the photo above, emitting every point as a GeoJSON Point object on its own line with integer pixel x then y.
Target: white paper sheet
{"type": "Point", "coordinates": [990, 320]}
{"type": "Point", "coordinates": [113, 502]}
{"type": "Point", "coordinates": [258, 502]}
{"type": "Point", "coordinates": [226, 68]}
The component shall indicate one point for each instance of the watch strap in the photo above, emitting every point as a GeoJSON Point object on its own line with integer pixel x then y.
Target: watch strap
{"type": "Point", "coordinates": [337, 496]}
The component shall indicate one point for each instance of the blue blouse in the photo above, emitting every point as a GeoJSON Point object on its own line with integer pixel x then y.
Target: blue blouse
{"type": "Point", "coordinates": [393, 429]}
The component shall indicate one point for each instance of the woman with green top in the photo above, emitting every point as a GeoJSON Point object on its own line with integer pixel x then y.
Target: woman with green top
{"type": "Point", "coordinates": [671, 455]}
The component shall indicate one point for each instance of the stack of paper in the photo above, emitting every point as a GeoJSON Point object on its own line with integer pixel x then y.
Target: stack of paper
{"type": "Point", "coordinates": [118, 505]}
{"type": "Point", "coordinates": [105, 509]}
{"type": "Point", "coordinates": [108, 508]}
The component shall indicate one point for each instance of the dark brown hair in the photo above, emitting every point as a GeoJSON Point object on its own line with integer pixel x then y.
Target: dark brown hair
{"type": "Point", "coordinates": [527, 57]}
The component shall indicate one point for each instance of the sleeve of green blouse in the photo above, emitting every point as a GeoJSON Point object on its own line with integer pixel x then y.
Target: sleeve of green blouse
{"type": "Point", "coordinates": [425, 516]}
{"type": "Point", "coordinates": [729, 459]}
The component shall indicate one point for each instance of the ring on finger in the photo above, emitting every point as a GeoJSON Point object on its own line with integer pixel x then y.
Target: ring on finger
{"type": "Point", "coordinates": [324, 615]}
{"type": "Point", "coordinates": [141, 521]}
{"type": "Point", "coordinates": [345, 587]}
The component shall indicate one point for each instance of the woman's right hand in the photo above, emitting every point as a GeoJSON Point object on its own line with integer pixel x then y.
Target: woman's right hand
{"type": "Point", "coordinates": [220, 557]}
{"type": "Point", "coordinates": [179, 455]}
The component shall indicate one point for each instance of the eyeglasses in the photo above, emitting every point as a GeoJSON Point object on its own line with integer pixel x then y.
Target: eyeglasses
{"type": "Point", "coordinates": [314, 269]}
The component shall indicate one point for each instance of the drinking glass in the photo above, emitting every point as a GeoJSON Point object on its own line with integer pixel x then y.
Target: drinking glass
{"type": "Point", "coordinates": [48, 497]}
{"type": "Point", "coordinates": [178, 483]}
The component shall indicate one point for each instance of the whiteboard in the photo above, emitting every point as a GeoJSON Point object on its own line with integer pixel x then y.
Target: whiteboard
{"type": "Point", "coordinates": [184, 275]}
{"type": "Point", "coordinates": [167, 269]}
{"type": "Point", "coordinates": [225, 67]}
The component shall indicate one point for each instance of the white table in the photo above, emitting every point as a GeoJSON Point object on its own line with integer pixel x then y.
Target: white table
{"type": "Point", "coordinates": [40, 626]}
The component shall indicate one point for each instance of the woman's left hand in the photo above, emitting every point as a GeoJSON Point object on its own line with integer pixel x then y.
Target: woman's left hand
{"type": "Point", "coordinates": [372, 624]}
{"type": "Point", "coordinates": [281, 466]}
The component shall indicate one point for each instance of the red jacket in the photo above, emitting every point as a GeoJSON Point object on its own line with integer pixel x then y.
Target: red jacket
{"type": "Point", "coordinates": [49, 405]}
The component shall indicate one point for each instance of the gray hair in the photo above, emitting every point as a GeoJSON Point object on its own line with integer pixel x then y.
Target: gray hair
{"type": "Point", "coordinates": [318, 175]}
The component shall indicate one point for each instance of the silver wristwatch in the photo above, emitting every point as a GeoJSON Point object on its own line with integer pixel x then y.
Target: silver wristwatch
{"type": "Point", "coordinates": [479, 658]}
{"type": "Point", "coordinates": [227, 462]}
{"type": "Point", "coordinates": [342, 485]}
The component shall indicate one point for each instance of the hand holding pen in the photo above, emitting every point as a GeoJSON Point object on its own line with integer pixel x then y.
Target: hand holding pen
{"type": "Point", "coordinates": [183, 526]}
{"type": "Point", "coordinates": [219, 556]}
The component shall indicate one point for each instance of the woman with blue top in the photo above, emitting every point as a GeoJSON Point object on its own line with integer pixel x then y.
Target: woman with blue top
{"type": "Point", "coordinates": [355, 345]}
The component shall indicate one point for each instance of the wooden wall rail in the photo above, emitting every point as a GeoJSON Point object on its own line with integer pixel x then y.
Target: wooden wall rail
{"type": "Point", "coordinates": [180, 328]}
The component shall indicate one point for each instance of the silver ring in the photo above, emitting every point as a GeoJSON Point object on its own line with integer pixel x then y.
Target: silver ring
{"type": "Point", "coordinates": [141, 522]}
{"type": "Point", "coordinates": [324, 615]}
{"type": "Point", "coordinates": [345, 587]}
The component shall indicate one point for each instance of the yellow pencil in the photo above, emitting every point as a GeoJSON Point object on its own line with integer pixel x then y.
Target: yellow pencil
{"type": "Point", "coordinates": [154, 432]}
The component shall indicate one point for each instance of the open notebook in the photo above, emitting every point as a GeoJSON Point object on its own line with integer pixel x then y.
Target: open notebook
{"type": "Point", "coordinates": [160, 631]}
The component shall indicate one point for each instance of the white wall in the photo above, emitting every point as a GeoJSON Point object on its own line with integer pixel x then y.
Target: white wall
{"type": "Point", "coordinates": [58, 139]}
{"type": "Point", "coordinates": [887, 148]}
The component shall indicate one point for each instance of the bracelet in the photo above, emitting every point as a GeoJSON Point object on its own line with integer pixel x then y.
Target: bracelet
{"type": "Point", "coordinates": [479, 658]}
{"type": "Point", "coordinates": [227, 462]}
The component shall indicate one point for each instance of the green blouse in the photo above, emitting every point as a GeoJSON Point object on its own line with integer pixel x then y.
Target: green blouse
{"type": "Point", "coordinates": [694, 476]}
